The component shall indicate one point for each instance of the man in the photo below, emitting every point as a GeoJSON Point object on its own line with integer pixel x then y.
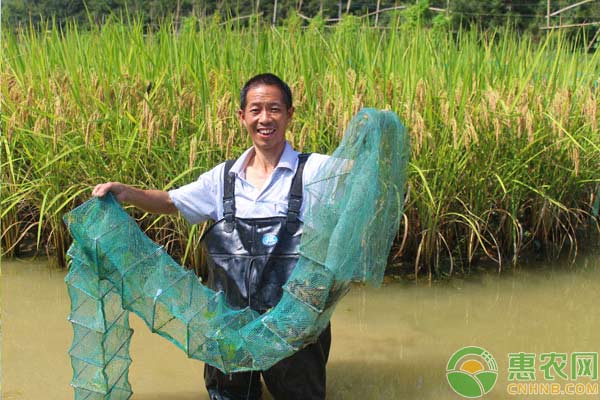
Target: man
{"type": "Point", "coordinates": [256, 193]}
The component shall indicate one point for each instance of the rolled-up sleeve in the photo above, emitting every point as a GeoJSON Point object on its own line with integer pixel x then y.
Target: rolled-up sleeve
{"type": "Point", "coordinates": [199, 201]}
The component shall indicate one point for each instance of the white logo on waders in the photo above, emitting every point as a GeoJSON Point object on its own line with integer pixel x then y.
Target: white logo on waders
{"type": "Point", "coordinates": [269, 239]}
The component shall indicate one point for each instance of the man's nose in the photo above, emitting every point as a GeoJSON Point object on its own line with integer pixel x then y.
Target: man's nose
{"type": "Point", "coordinates": [265, 116]}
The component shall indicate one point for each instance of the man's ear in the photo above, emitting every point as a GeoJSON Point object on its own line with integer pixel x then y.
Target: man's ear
{"type": "Point", "coordinates": [240, 114]}
{"type": "Point", "coordinates": [290, 112]}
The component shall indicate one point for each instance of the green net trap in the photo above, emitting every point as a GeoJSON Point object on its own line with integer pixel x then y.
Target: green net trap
{"type": "Point", "coordinates": [353, 209]}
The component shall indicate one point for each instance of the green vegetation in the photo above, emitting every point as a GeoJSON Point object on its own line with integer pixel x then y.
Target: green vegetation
{"type": "Point", "coordinates": [526, 15]}
{"type": "Point", "coordinates": [504, 129]}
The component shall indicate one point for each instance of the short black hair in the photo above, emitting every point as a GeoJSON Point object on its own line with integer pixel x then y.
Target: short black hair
{"type": "Point", "coordinates": [266, 79]}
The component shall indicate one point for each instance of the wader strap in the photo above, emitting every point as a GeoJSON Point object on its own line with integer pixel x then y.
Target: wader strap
{"type": "Point", "coordinates": [295, 200]}
{"type": "Point", "coordinates": [228, 195]}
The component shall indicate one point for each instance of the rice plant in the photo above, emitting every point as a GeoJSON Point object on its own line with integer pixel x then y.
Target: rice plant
{"type": "Point", "coordinates": [504, 129]}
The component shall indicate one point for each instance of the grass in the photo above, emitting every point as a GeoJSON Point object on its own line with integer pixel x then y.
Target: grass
{"type": "Point", "coordinates": [504, 130]}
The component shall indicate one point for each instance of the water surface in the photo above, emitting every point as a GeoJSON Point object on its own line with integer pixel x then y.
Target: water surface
{"type": "Point", "coordinates": [388, 343]}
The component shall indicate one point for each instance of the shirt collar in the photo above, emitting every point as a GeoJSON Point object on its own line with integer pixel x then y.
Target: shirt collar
{"type": "Point", "coordinates": [288, 159]}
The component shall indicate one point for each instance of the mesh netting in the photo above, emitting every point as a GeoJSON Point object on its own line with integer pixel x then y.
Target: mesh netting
{"type": "Point", "coordinates": [353, 207]}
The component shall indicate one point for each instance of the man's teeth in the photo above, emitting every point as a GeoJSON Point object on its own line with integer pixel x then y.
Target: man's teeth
{"type": "Point", "coordinates": [266, 131]}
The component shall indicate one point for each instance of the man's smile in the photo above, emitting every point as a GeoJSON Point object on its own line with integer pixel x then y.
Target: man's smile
{"type": "Point", "coordinates": [266, 131]}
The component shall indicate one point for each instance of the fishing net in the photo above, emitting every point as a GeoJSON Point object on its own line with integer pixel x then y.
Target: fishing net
{"type": "Point", "coordinates": [353, 208]}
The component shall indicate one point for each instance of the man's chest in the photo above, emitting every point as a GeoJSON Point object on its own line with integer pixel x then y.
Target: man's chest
{"type": "Point", "coordinates": [257, 197]}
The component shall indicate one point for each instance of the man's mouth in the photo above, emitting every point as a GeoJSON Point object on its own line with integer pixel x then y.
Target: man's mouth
{"type": "Point", "coordinates": [266, 131]}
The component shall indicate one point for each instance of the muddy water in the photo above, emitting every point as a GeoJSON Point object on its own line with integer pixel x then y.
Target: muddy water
{"type": "Point", "coordinates": [388, 343]}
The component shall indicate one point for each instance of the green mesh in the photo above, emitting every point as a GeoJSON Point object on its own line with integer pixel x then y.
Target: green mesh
{"type": "Point", "coordinates": [353, 208]}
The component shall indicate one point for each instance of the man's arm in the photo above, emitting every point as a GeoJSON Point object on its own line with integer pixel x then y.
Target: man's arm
{"type": "Point", "coordinates": [152, 201]}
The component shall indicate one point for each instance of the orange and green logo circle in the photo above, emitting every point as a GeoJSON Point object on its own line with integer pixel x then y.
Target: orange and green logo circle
{"type": "Point", "coordinates": [472, 372]}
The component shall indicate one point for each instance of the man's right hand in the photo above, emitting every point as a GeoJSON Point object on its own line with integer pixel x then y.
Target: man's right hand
{"type": "Point", "coordinates": [153, 201]}
{"type": "Point", "coordinates": [118, 189]}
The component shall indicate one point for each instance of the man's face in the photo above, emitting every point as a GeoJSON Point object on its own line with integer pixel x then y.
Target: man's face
{"type": "Point", "coordinates": [266, 117]}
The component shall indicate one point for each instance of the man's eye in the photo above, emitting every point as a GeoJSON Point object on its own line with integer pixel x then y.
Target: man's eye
{"type": "Point", "coordinates": [275, 109]}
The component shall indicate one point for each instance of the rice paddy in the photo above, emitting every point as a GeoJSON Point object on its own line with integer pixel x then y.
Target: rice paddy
{"type": "Point", "coordinates": [504, 128]}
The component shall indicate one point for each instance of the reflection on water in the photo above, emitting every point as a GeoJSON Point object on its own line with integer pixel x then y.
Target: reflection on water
{"type": "Point", "coordinates": [388, 343]}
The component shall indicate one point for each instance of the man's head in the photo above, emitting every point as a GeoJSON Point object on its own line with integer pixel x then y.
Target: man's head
{"type": "Point", "coordinates": [266, 111]}
{"type": "Point", "coordinates": [269, 80]}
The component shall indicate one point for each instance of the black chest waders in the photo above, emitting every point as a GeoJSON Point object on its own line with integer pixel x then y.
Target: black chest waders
{"type": "Point", "coordinates": [250, 259]}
